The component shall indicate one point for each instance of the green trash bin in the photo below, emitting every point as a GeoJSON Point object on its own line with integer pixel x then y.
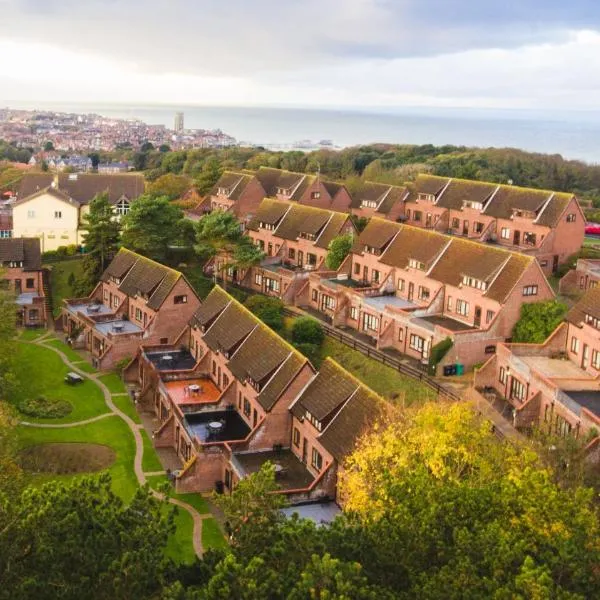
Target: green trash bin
{"type": "Point", "coordinates": [460, 369]}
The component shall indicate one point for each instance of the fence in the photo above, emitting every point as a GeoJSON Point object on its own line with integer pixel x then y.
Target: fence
{"type": "Point", "coordinates": [382, 357]}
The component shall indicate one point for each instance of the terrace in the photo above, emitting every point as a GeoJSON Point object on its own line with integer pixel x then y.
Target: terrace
{"type": "Point", "coordinates": [589, 399]}
{"type": "Point", "coordinates": [381, 302]}
{"type": "Point", "coordinates": [291, 473]}
{"type": "Point", "coordinates": [216, 426]}
{"type": "Point", "coordinates": [448, 323]}
{"type": "Point", "coordinates": [27, 298]}
{"type": "Point", "coordinates": [172, 360]}
{"type": "Point", "coordinates": [555, 368]}
{"type": "Point", "coordinates": [117, 327]}
{"type": "Point", "coordinates": [335, 284]}
{"type": "Point", "coordinates": [90, 309]}
{"type": "Point", "coordinates": [192, 392]}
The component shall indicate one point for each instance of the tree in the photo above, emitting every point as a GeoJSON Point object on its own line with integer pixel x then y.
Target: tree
{"type": "Point", "coordinates": [101, 238]}
{"type": "Point", "coordinates": [538, 320]}
{"type": "Point", "coordinates": [146, 147]}
{"type": "Point", "coordinates": [268, 309]}
{"type": "Point", "coordinates": [151, 225]}
{"type": "Point", "coordinates": [338, 249]}
{"type": "Point", "coordinates": [8, 331]}
{"type": "Point", "coordinates": [95, 158]}
{"type": "Point", "coordinates": [164, 148]}
{"type": "Point", "coordinates": [307, 330]}
{"type": "Point", "coordinates": [169, 185]}
{"type": "Point", "coordinates": [79, 540]}
{"type": "Point", "coordinates": [11, 475]}
{"type": "Point", "coordinates": [48, 146]}
{"type": "Point", "coordinates": [211, 171]}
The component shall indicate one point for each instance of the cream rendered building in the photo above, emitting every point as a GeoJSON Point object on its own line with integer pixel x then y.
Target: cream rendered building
{"type": "Point", "coordinates": [51, 208]}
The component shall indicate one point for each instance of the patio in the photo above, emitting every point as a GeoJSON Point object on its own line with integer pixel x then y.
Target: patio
{"type": "Point", "coordinates": [117, 327]}
{"type": "Point", "coordinates": [190, 392]}
{"type": "Point", "coordinates": [448, 323]}
{"type": "Point", "coordinates": [89, 309]}
{"type": "Point", "coordinates": [216, 426]}
{"type": "Point", "coordinates": [172, 360]}
{"type": "Point", "coordinates": [555, 368]}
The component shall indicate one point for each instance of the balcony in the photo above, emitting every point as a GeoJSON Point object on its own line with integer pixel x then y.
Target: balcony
{"type": "Point", "coordinates": [216, 426]}
{"type": "Point", "coordinates": [117, 327]}
{"type": "Point", "coordinates": [191, 394]}
{"type": "Point", "coordinates": [87, 307]}
{"type": "Point", "coordinates": [172, 359]}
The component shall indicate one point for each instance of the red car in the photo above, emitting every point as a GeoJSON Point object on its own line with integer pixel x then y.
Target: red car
{"type": "Point", "coordinates": [592, 229]}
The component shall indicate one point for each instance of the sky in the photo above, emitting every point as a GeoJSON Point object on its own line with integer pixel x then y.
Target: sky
{"type": "Point", "coordinates": [525, 54]}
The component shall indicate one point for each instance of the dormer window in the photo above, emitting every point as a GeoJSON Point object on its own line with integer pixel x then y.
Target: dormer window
{"type": "Point", "coordinates": [307, 236]}
{"type": "Point", "coordinates": [223, 191]}
{"type": "Point", "coordinates": [593, 321]}
{"type": "Point", "coordinates": [368, 204]}
{"type": "Point", "coordinates": [15, 264]}
{"type": "Point", "coordinates": [527, 214]}
{"type": "Point", "coordinates": [122, 207]}
{"type": "Point", "coordinates": [529, 239]}
{"type": "Point", "coordinates": [313, 421]}
{"type": "Point", "coordinates": [474, 283]}
{"type": "Point", "coordinates": [416, 264]}
{"type": "Point", "coordinates": [426, 197]}
{"type": "Point", "coordinates": [372, 250]}
{"type": "Point", "coordinates": [116, 280]}
{"type": "Point", "coordinates": [283, 191]}
{"type": "Point", "coordinates": [315, 195]}
{"type": "Point", "coordinates": [471, 204]}
{"type": "Point", "coordinates": [267, 226]}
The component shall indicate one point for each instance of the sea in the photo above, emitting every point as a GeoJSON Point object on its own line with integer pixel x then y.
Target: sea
{"type": "Point", "coordinates": [573, 134]}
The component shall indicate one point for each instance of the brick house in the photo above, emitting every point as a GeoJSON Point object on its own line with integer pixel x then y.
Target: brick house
{"type": "Point", "coordinates": [555, 384]}
{"type": "Point", "coordinates": [21, 272]}
{"type": "Point", "coordinates": [136, 301]}
{"type": "Point", "coordinates": [295, 239]}
{"type": "Point", "coordinates": [407, 289]}
{"type": "Point", "coordinates": [379, 200]}
{"type": "Point", "coordinates": [547, 225]}
{"type": "Point", "coordinates": [585, 276]}
{"type": "Point", "coordinates": [230, 394]}
{"type": "Point", "coordinates": [239, 192]}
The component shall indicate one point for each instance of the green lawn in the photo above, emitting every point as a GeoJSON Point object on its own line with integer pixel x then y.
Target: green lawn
{"type": "Point", "coordinates": [195, 500]}
{"type": "Point", "coordinates": [85, 367]}
{"type": "Point", "coordinates": [40, 371]}
{"type": "Point", "coordinates": [125, 404]}
{"type": "Point", "coordinates": [150, 462]}
{"type": "Point", "coordinates": [59, 281]}
{"type": "Point", "coordinates": [212, 536]}
{"type": "Point", "coordinates": [179, 546]}
{"type": "Point", "coordinates": [31, 334]}
{"type": "Point", "coordinates": [114, 383]}
{"type": "Point", "coordinates": [71, 354]}
{"type": "Point", "coordinates": [111, 431]}
{"type": "Point", "coordinates": [384, 380]}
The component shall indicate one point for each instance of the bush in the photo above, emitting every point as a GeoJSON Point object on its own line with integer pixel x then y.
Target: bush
{"type": "Point", "coordinates": [121, 364]}
{"type": "Point", "coordinates": [312, 352]}
{"type": "Point", "coordinates": [44, 408]}
{"type": "Point", "coordinates": [537, 321]}
{"type": "Point", "coordinates": [268, 310]}
{"type": "Point", "coordinates": [438, 351]}
{"type": "Point", "coordinates": [307, 330]}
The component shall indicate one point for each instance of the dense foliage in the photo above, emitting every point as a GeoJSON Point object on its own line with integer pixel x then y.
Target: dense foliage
{"type": "Point", "coordinates": [338, 249]}
{"type": "Point", "coordinates": [268, 309]}
{"type": "Point", "coordinates": [307, 330]}
{"type": "Point", "coordinates": [538, 320]}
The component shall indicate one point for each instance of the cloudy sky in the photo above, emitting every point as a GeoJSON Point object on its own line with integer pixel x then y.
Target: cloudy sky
{"type": "Point", "coordinates": [359, 53]}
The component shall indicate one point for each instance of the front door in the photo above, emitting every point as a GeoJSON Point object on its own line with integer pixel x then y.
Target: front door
{"type": "Point", "coordinates": [517, 238]}
{"type": "Point", "coordinates": [585, 357]}
{"type": "Point", "coordinates": [428, 220]}
{"type": "Point", "coordinates": [304, 451]}
{"type": "Point", "coordinates": [411, 290]}
{"type": "Point", "coordinates": [477, 322]}
{"type": "Point", "coordinates": [300, 258]}
{"type": "Point", "coordinates": [18, 286]}
{"type": "Point", "coordinates": [555, 263]}
{"type": "Point", "coordinates": [365, 273]}
{"type": "Point", "coordinates": [465, 227]}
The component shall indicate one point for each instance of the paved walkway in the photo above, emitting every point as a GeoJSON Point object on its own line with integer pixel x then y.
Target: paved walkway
{"type": "Point", "coordinates": [135, 430]}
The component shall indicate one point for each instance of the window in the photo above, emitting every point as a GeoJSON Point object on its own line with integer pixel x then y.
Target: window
{"type": "Point", "coordinates": [477, 227]}
{"type": "Point", "coordinates": [426, 197]}
{"type": "Point", "coordinates": [596, 359]}
{"type": "Point", "coordinates": [180, 299]}
{"type": "Point", "coordinates": [530, 290]}
{"type": "Point", "coordinates": [574, 345]}
{"type": "Point", "coordinates": [317, 460]}
{"type": "Point", "coordinates": [462, 308]}
{"type": "Point", "coordinates": [106, 295]}
{"type": "Point", "coordinates": [417, 343]}
{"type": "Point", "coordinates": [258, 279]}
{"type": "Point", "coordinates": [474, 283]}
{"type": "Point", "coordinates": [505, 233]}
{"type": "Point", "coordinates": [472, 204]}
{"type": "Point", "coordinates": [455, 223]}
{"type": "Point", "coordinates": [356, 269]}
{"type": "Point", "coordinates": [271, 284]}
{"type": "Point", "coordinates": [31, 214]}
{"type": "Point", "coordinates": [489, 315]}
{"type": "Point", "coordinates": [517, 390]}
{"type": "Point", "coordinates": [368, 204]}
{"type": "Point", "coordinates": [417, 215]}
{"type": "Point", "coordinates": [328, 302]}
{"type": "Point", "coordinates": [214, 367]}
{"type": "Point", "coordinates": [291, 253]}
{"type": "Point", "coordinates": [58, 214]}
{"type": "Point", "coordinates": [311, 259]}
{"type": "Point", "coordinates": [415, 264]}
{"type": "Point", "coordinates": [353, 313]}
{"type": "Point", "coordinates": [400, 334]}
{"type": "Point", "coordinates": [247, 408]}
{"type": "Point", "coordinates": [138, 314]}
{"type": "Point", "coordinates": [503, 377]}
{"type": "Point", "coordinates": [296, 437]}
{"type": "Point", "coordinates": [593, 321]}
{"type": "Point", "coordinates": [571, 218]}
{"type": "Point", "coordinates": [375, 276]}
{"type": "Point", "coordinates": [115, 301]}
{"type": "Point", "coordinates": [164, 340]}
{"type": "Point", "coordinates": [122, 207]}
{"type": "Point", "coordinates": [315, 295]}
{"type": "Point", "coordinates": [401, 285]}
{"type": "Point", "coordinates": [29, 282]}
{"type": "Point", "coordinates": [315, 195]}
{"type": "Point", "coordinates": [529, 238]}
{"type": "Point", "coordinates": [370, 322]}
{"type": "Point", "coordinates": [34, 314]}
{"type": "Point", "coordinates": [267, 226]}
{"type": "Point", "coordinates": [449, 303]}
{"type": "Point", "coordinates": [423, 293]}
{"type": "Point", "coordinates": [408, 213]}
{"type": "Point", "coordinates": [260, 244]}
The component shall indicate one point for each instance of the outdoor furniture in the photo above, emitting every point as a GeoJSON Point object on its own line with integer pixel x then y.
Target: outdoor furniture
{"type": "Point", "coordinates": [194, 388]}
{"type": "Point", "coordinates": [215, 427]}
{"type": "Point", "coordinates": [73, 378]}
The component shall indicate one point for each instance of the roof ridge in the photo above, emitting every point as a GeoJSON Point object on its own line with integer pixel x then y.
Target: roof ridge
{"type": "Point", "coordinates": [150, 260]}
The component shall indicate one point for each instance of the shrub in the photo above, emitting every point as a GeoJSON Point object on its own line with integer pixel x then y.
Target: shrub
{"type": "Point", "coordinates": [537, 321]}
{"type": "Point", "coordinates": [307, 330]}
{"type": "Point", "coordinates": [268, 310]}
{"type": "Point", "coordinates": [44, 408]}
{"type": "Point", "coordinates": [121, 364]}
{"type": "Point", "coordinates": [438, 351]}
{"type": "Point", "coordinates": [312, 352]}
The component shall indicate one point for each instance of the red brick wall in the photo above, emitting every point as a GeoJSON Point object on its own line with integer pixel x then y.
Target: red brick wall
{"type": "Point", "coordinates": [249, 200]}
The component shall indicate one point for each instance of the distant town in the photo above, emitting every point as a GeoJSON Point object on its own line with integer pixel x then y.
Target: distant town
{"type": "Point", "coordinates": [70, 132]}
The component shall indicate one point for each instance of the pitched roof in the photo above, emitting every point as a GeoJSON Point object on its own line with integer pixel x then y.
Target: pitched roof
{"type": "Point", "coordinates": [509, 197]}
{"type": "Point", "coordinates": [84, 187]}
{"type": "Point", "coordinates": [552, 212]}
{"type": "Point", "coordinates": [416, 244]}
{"type": "Point", "coordinates": [269, 211]}
{"type": "Point", "coordinates": [213, 304]}
{"type": "Point", "coordinates": [25, 250]}
{"type": "Point", "coordinates": [377, 234]}
{"type": "Point", "coordinates": [302, 219]}
{"type": "Point", "coordinates": [141, 275]}
{"type": "Point", "coordinates": [369, 191]}
{"type": "Point", "coordinates": [428, 184]}
{"type": "Point", "coordinates": [280, 381]}
{"type": "Point", "coordinates": [332, 229]}
{"type": "Point", "coordinates": [589, 304]}
{"type": "Point", "coordinates": [230, 328]}
{"type": "Point", "coordinates": [460, 190]}
{"type": "Point", "coordinates": [396, 195]}
{"type": "Point", "coordinates": [273, 179]}
{"type": "Point", "coordinates": [234, 182]}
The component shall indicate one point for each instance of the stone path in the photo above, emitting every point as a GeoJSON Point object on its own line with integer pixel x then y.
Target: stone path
{"type": "Point", "coordinates": [135, 430]}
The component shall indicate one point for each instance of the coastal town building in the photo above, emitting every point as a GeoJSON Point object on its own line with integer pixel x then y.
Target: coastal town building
{"type": "Point", "coordinates": [21, 273]}
{"type": "Point", "coordinates": [407, 289]}
{"type": "Point", "coordinates": [111, 168]}
{"type": "Point", "coordinates": [379, 200]}
{"type": "Point", "coordinates": [52, 207]}
{"type": "Point", "coordinates": [545, 224]}
{"type": "Point", "coordinates": [137, 301]}
{"type": "Point", "coordinates": [585, 276]}
{"type": "Point", "coordinates": [554, 385]}
{"type": "Point", "coordinates": [230, 394]}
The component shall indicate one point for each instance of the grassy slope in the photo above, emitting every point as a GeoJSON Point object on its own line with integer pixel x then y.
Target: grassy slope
{"type": "Point", "coordinates": [212, 536]}
{"type": "Point", "coordinates": [59, 281]}
{"type": "Point", "coordinates": [150, 462]}
{"type": "Point", "coordinates": [125, 404]}
{"type": "Point", "coordinates": [71, 354]}
{"type": "Point", "coordinates": [114, 383]}
{"type": "Point", "coordinates": [41, 371]}
{"type": "Point", "coordinates": [195, 500]}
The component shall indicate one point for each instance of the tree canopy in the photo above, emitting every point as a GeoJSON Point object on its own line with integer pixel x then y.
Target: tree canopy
{"type": "Point", "coordinates": [338, 249]}
{"type": "Point", "coordinates": [538, 320]}
{"type": "Point", "coordinates": [169, 185]}
{"type": "Point", "coordinates": [268, 309]}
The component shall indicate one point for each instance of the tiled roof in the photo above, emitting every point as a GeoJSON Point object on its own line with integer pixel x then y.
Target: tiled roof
{"type": "Point", "coordinates": [396, 195]}
{"type": "Point", "coordinates": [230, 328]}
{"type": "Point", "coordinates": [269, 211]}
{"type": "Point", "coordinates": [377, 234]}
{"type": "Point", "coordinates": [509, 277]}
{"type": "Point", "coordinates": [302, 219]}
{"type": "Point", "coordinates": [84, 187]}
{"type": "Point", "coordinates": [510, 197]}
{"type": "Point", "coordinates": [234, 182]}
{"type": "Point", "coordinates": [551, 214]}
{"type": "Point", "coordinates": [280, 381]}
{"type": "Point", "coordinates": [332, 229]}
{"type": "Point", "coordinates": [369, 191]}
{"type": "Point", "coordinates": [25, 250]}
{"type": "Point", "coordinates": [460, 190]}
{"type": "Point", "coordinates": [589, 304]}
{"type": "Point", "coordinates": [428, 184]}
{"type": "Point", "coordinates": [141, 275]}
{"type": "Point", "coordinates": [213, 304]}
{"type": "Point", "coordinates": [326, 392]}
{"type": "Point", "coordinates": [414, 243]}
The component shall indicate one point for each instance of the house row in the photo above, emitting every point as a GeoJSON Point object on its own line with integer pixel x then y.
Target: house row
{"type": "Point", "coordinates": [554, 385]}
{"type": "Point", "coordinates": [545, 224]}
{"type": "Point", "coordinates": [402, 288]}
{"type": "Point", "coordinates": [137, 301]}
{"type": "Point", "coordinates": [21, 273]}
{"type": "Point", "coordinates": [52, 207]}
{"type": "Point", "coordinates": [585, 276]}
{"type": "Point", "coordinates": [229, 395]}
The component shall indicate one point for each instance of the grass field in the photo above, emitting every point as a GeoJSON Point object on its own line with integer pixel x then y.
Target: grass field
{"type": "Point", "coordinates": [125, 404]}
{"type": "Point", "coordinates": [150, 462]}
{"type": "Point", "coordinates": [114, 383]}
{"type": "Point", "coordinates": [29, 335]}
{"type": "Point", "coordinates": [59, 281]}
{"type": "Point", "coordinates": [212, 536]}
{"type": "Point", "coordinates": [195, 500]}
{"type": "Point", "coordinates": [40, 371]}
{"type": "Point", "coordinates": [71, 354]}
